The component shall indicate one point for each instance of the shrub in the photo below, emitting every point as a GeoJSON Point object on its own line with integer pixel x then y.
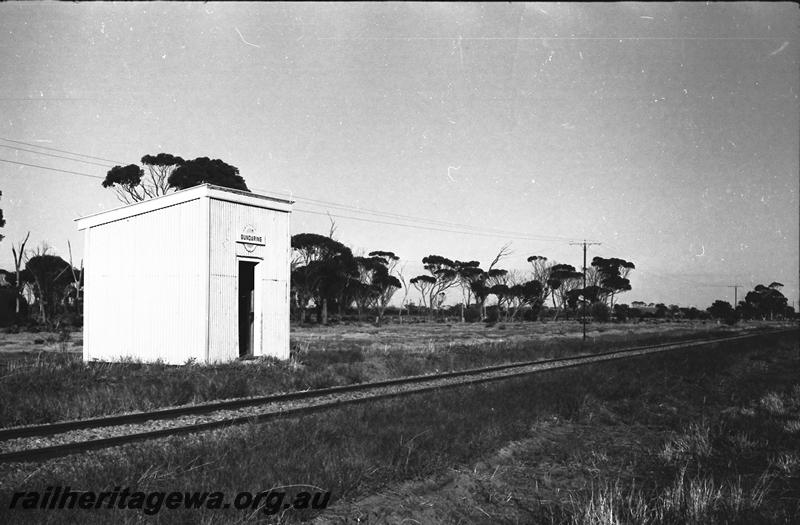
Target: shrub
{"type": "Point", "coordinates": [472, 314]}
{"type": "Point", "coordinates": [731, 318]}
{"type": "Point", "coordinates": [600, 312]}
{"type": "Point", "coordinates": [8, 305]}
{"type": "Point", "coordinates": [492, 314]}
{"type": "Point", "coordinates": [621, 312]}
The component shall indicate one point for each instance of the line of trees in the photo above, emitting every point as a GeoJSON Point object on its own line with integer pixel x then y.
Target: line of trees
{"type": "Point", "coordinates": [761, 303]}
{"type": "Point", "coordinates": [516, 291]}
{"type": "Point", "coordinates": [326, 275]}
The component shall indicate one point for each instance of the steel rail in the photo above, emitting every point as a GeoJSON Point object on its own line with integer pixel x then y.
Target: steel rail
{"type": "Point", "coordinates": [214, 406]}
{"type": "Point", "coordinates": [43, 453]}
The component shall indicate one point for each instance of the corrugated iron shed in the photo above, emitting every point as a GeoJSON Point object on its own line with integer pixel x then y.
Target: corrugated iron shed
{"type": "Point", "coordinates": [200, 274]}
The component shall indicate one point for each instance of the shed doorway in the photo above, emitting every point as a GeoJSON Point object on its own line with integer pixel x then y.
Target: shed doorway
{"type": "Point", "coordinates": [247, 281]}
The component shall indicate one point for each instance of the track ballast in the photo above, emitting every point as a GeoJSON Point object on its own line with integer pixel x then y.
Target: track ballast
{"type": "Point", "coordinates": [42, 442]}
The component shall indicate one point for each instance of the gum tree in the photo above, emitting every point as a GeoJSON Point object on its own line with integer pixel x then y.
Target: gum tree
{"type": "Point", "coordinates": [528, 293]}
{"type": "Point", "coordinates": [563, 281]}
{"type": "Point", "coordinates": [321, 268]}
{"type": "Point", "coordinates": [50, 277]}
{"type": "Point", "coordinates": [203, 170]}
{"type": "Point", "coordinates": [424, 284]}
{"type": "Point", "coordinates": [164, 173]}
{"type": "Point", "coordinates": [766, 301]}
{"type": "Point", "coordinates": [363, 288]}
{"type": "Point", "coordinates": [540, 271]}
{"type": "Point", "coordinates": [468, 274]}
{"type": "Point", "coordinates": [612, 277]}
{"type": "Point", "coordinates": [375, 285]}
{"type": "Point", "coordinates": [386, 281]}
{"type": "Point", "coordinates": [443, 276]}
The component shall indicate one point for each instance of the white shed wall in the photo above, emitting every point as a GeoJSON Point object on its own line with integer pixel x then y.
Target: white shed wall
{"type": "Point", "coordinates": [227, 221]}
{"type": "Point", "coordinates": [146, 286]}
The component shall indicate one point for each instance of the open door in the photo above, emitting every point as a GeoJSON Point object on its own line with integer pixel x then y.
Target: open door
{"type": "Point", "coordinates": [247, 281]}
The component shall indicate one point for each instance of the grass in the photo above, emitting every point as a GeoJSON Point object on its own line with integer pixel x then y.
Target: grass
{"type": "Point", "coordinates": [697, 500]}
{"type": "Point", "coordinates": [693, 443]}
{"type": "Point", "coordinates": [56, 386]}
{"type": "Point", "coordinates": [340, 451]}
{"type": "Point", "coordinates": [369, 453]}
{"type": "Point", "coordinates": [732, 464]}
{"type": "Point", "coordinates": [721, 461]}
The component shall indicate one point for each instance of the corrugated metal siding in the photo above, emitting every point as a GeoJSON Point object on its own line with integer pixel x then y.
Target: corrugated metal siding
{"type": "Point", "coordinates": [88, 286]}
{"type": "Point", "coordinates": [227, 221]}
{"type": "Point", "coordinates": [145, 286]}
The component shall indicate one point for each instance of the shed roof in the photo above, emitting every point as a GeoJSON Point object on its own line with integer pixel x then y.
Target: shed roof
{"type": "Point", "coordinates": [179, 197]}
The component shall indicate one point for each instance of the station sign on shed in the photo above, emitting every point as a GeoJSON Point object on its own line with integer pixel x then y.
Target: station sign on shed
{"type": "Point", "coordinates": [201, 274]}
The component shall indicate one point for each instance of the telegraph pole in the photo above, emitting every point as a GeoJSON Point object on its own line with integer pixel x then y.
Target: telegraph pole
{"type": "Point", "coordinates": [585, 244]}
{"type": "Point", "coordinates": [735, 294]}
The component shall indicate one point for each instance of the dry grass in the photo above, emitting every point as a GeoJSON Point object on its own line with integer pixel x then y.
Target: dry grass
{"type": "Point", "coordinates": [787, 463]}
{"type": "Point", "coordinates": [550, 438]}
{"type": "Point", "coordinates": [773, 404]}
{"type": "Point", "coordinates": [695, 501]}
{"type": "Point", "coordinates": [792, 426]}
{"type": "Point", "coordinates": [737, 468]}
{"type": "Point", "coordinates": [55, 385]}
{"type": "Point", "coordinates": [611, 461]}
{"type": "Point", "coordinates": [694, 442]}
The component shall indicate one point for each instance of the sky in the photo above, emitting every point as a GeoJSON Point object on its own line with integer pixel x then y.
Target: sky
{"type": "Point", "coordinates": [669, 133]}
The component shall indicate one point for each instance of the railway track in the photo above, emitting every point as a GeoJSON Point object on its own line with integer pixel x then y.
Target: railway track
{"type": "Point", "coordinates": [41, 442]}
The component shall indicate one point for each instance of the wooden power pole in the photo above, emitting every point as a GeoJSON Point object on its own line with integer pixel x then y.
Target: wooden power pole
{"type": "Point", "coordinates": [735, 294]}
{"type": "Point", "coordinates": [584, 244]}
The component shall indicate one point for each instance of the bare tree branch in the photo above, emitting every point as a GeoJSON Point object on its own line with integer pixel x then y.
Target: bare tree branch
{"type": "Point", "coordinates": [401, 277]}
{"type": "Point", "coordinates": [18, 258]}
{"type": "Point", "coordinates": [77, 277]}
{"type": "Point", "coordinates": [504, 252]}
{"type": "Point", "coordinates": [332, 230]}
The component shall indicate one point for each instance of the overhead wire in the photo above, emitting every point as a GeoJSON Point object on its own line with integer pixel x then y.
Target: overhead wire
{"type": "Point", "coordinates": [427, 224]}
{"type": "Point", "coordinates": [356, 209]}
{"type": "Point", "coordinates": [52, 169]}
{"type": "Point", "coordinates": [376, 221]}
{"type": "Point", "coordinates": [428, 228]}
{"type": "Point", "coordinates": [61, 150]}
{"type": "Point", "coordinates": [439, 225]}
{"type": "Point", "coordinates": [677, 279]}
{"type": "Point", "coordinates": [445, 226]}
{"type": "Point", "coordinates": [56, 156]}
